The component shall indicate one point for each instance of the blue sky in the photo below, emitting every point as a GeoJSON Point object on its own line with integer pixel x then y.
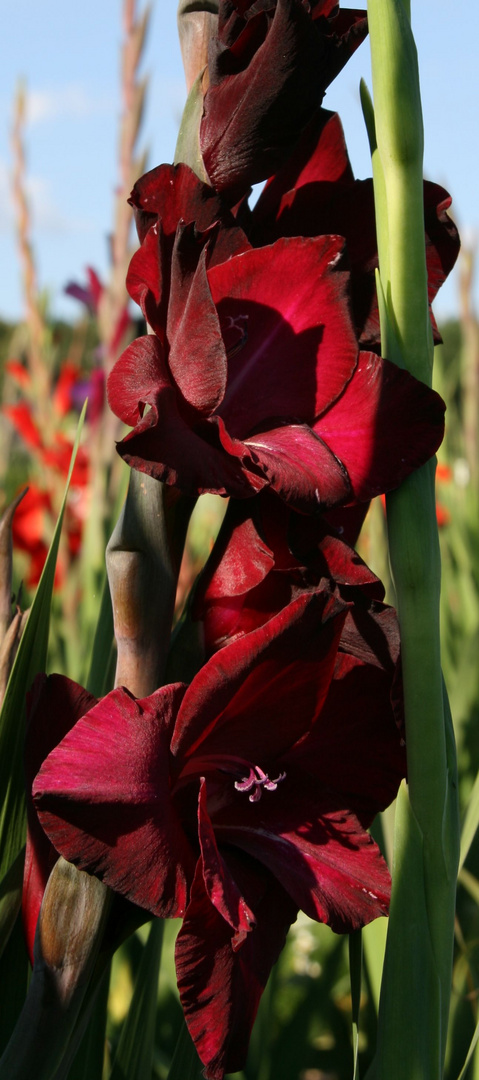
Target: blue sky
{"type": "Point", "coordinates": [68, 55]}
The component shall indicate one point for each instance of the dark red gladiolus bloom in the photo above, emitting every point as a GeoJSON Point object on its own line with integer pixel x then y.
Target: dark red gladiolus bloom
{"type": "Point", "coordinates": [253, 379]}
{"type": "Point", "coordinates": [315, 193]}
{"type": "Point", "coordinates": [265, 556]}
{"type": "Point", "coordinates": [269, 66]}
{"type": "Point", "coordinates": [235, 801]}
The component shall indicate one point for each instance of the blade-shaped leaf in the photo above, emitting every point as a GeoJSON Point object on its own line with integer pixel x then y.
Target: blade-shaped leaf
{"type": "Point", "coordinates": [101, 675]}
{"type": "Point", "coordinates": [186, 1064]}
{"type": "Point", "coordinates": [355, 965]}
{"type": "Point", "coordinates": [471, 823]}
{"type": "Point", "coordinates": [374, 943]}
{"type": "Point", "coordinates": [15, 970]}
{"type": "Point", "coordinates": [88, 1061]}
{"type": "Point", "coordinates": [420, 1006]}
{"type": "Point", "coordinates": [470, 1053]}
{"type": "Point", "coordinates": [134, 1056]}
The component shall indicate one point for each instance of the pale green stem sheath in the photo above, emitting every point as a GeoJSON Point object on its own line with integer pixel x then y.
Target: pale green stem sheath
{"type": "Point", "coordinates": [197, 21]}
{"type": "Point", "coordinates": [143, 559]}
{"type": "Point", "coordinates": [417, 975]}
{"type": "Point", "coordinates": [188, 142]}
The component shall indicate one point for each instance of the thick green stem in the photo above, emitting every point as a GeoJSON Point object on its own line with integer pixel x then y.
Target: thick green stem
{"type": "Point", "coordinates": [417, 974]}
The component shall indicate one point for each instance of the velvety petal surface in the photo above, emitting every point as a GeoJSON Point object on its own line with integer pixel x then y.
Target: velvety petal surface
{"type": "Point", "coordinates": [269, 67]}
{"type": "Point", "coordinates": [220, 987]}
{"type": "Point", "coordinates": [164, 443]}
{"type": "Point", "coordinates": [198, 366]}
{"type": "Point", "coordinates": [359, 706]}
{"type": "Point", "coordinates": [218, 881]}
{"type": "Point", "coordinates": [384, 425]}
{"type": "Point", "coordinates": [55, 705]}
{"type": "Point", "coordinates": [300, 468]}
{"type": "Point", "coordinates": [264, 689]}
{"type": "Point", "coordinates": [315, 192]}
{"type": "Point", "coordinates": [173, 193]}
{"type": "Point", "coordinates": [315, 846]}
{"type": "Point", "coordinates": [264, 85]}
{"type": "Point", "coordinates": [263, 557]}
{"type": "Point", "coordinates": [102, 796]}
{"type": "Point", "coordinates": [298, 347]}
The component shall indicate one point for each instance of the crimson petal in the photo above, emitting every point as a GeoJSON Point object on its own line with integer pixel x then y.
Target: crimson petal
{"type": "Point", "coordinates": [173, 193]}
{"type": "Point", "coordinates": [299, 347]}
{"type": "Point", "coordinates": [368, 782]}
{"type": "Point", "coordinates": [300, 468]}
{"type": "Point", "coordinates": [163, 442]}
{"type": "Point", "coordinates": [219, 884]}
{"type": "Point", "coordinates": [316, 848]}
{"type": "Point", "coordinates": [384, 425]}
{"type": "Point", "coordinates": [263, 689]}
{"type": "Point", "coordinates": [137, 379]}
{"type": "Point", "coordinates": [269, 67]}
{"type": "Point", "coordinates": [315, 192]}
{"type": "Point", "coordinates": [199, 368]}
{"type": "Point", "coordinates": [220, 988]}
{"type": "Point", "coordinates": [102, 796]}
{"type": "Point", "coordinates": [55, 705]}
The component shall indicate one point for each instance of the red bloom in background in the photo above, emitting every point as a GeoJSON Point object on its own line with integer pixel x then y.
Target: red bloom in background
{"type": "Point", "coordinates": [269, 66]}
{"type": "Point", "coordinates": [443, 476]}
{"type": "Point", "coordinates": [233, 802]}
{"type": "Point", "coordinates": [35, 517]}
{"type": "Point", "coordinates": [254, 379]}
{"type": "Point", "coordinates": [89, 294]}
{"type": "Point", "coordinates": [29, 528]}
{"type": "Point", "coordinates": [93, 387]}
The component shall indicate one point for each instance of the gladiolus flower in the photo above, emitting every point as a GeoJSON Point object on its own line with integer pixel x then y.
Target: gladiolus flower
{"type": "Point", "coordinates": [269, 66]}
{"type": "Point", "coordinates": [233, 802]}
{"type": "Point", "coordinates": [254, 380]}
{"type": "Point", "coordinates": [265, 556]}
{"type": "Point", "coordinates": [33, 518]}
{"type": "Point", "coordinates": [315, 192]}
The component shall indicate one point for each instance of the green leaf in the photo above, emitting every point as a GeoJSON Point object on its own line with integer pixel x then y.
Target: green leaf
{"type": "Point", "coordinates": [103, 657]}
{"type": "Point", "coordinates": [409, 1005]}
{"type": "Point", "coordinates": [471, 823]}
{"type": "Point", "coordinates": [11, 897]}
{"type": "Point", "coordinates": [89, 1058]}
{"type": "Point", "coordinates": [390, 347]}
{"type": "Point", "coordinates": [355, 965]}
{"type": "Point", "coordinates": [186, 1064]}
{"type": "Point", "coordinates": [134, 1057]}
{"type": "Point", "coordinates": [374, 944]}
{"type": "Point", "coordinates": [15, 971]}
{"type": "Point", "coordinates": [470, 884]}
{"type": "Point", "coordinates": [470, 1053]}
{"type": "Point", "coordinates": [29, 661]}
